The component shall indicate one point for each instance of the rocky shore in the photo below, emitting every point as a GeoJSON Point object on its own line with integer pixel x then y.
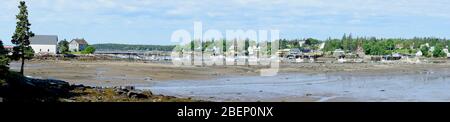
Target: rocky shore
{"type": "Point", "coordinates": [22, 89]}
{"type": "Point", "coordinates": [117, 94]}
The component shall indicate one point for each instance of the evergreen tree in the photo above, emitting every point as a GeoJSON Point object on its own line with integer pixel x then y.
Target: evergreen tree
{"type": "Point", "coordinates": [63, 46]}
{"type": "Point", "coordinates": [345, 43]}
{"type": "Point", "coordinates": [4, 60]}
{"type": "Point", "coordinates": [22, 35]}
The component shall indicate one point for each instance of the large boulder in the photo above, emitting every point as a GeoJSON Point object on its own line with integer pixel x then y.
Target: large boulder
{"type": "Point", "coordinates": [50, 84]}
{"type": "Point", "coordinates": [23, 89]}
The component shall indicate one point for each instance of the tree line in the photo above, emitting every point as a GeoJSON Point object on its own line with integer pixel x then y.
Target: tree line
{"type": "Point", "coordinates": [348, 43]}
{"type": "Point", "coordinates": [244, 45]}
{"type": "Point", "coordinates": [386, 46]}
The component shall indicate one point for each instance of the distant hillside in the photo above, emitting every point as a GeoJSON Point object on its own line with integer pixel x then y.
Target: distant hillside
{"type": "Point", "coordinates": [126, 47]}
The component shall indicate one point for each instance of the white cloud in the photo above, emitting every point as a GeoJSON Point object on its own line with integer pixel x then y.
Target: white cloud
{"type": "Point", "coordinates": [220, 14]}
{"type": "Point", "coordinates": [252, 8]}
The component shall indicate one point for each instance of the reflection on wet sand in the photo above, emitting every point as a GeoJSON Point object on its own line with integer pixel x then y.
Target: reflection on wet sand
{"type": "Point", "coordinates": [431, 85]}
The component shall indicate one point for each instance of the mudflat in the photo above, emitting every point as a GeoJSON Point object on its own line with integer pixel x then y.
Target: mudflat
{"type": "Point", "coordinates": [122, 73]}
{"type": "Point", "coordinates": [295, 82]}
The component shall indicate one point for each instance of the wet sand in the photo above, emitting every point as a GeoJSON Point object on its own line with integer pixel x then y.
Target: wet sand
{"type": "Point", "coordinates": [118, 73]}
{"type": "Point", "coordinates": [431, 85]}
{"type": "Point", "coordinates": [304, 82]}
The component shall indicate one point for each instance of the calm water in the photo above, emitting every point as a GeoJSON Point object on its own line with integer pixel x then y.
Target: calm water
{"type": "Point", "coordinates": [428, 85]}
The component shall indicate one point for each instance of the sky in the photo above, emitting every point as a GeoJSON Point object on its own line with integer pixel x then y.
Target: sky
{"type": "Point", "coordinates": [154, 21]}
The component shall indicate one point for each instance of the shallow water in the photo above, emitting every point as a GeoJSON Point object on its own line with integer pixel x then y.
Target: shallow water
{"type": "Point", "coordinates": [422, 85]}
{"type": "Point", "coordinates": [428, 85]}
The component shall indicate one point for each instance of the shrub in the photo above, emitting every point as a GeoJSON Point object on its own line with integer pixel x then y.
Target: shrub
{"type": "Point", "coordinates": [88, 50]}
{"type": "Point", "coordinates": [438, 52]}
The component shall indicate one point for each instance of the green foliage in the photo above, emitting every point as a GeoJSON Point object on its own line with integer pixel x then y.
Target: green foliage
{"type": "Point", "coordinates": [380, 46]}
{"type": "Point", "coordinates": [370, 45]}
{"type": "Point", "coordinates": [375, 48]}
{"type": "Point", "coordinates": [224, 44]}
{"type": "Point", "coordinates": [89, 50]}
{"type": "Point", "coordinates": [63, 46]}
{"type": "Point", "coordinates": [332, 44]}
{"type": "Point", "coordinates": [288, 44]}
{"type": "Point", "coordinates": [311, 41]}
{"type": "Point", "coordinates": [424, 50]}
{"type": "Point", "coordinates": [28, 53]}
{"type": "Point", "coordinates": [438, 51]}
{"type": "Point", "coordinates": [405, 51]}
{"type": "Point", "coordinates": [4, 60]}
{"type": "Point", "coordinates": [22, 35]}
{"type": "Point", "coordinates": [284, 44]}
{"type": "Point", "coordinates": [389, 44]}
{"type": "Point", "coordinates": [346, 42]}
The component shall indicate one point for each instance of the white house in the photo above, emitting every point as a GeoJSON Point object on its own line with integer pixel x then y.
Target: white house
{"type": "Point", "coordinates": [419, 53]}
{"type": "Point", "coordinates": [46, 44]}
{"type": "Point", "coordinates": [301, 43]}
{"type": "Point", "coordinates": [321, 46]}
{"type": "Point", "coordinates": [77, 45]}
{"type": "Point", "coordinates": [253, 50]}
{"type": "Point", "coordinates": [447, 52]}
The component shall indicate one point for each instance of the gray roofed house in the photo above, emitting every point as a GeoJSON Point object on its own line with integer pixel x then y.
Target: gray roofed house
{"type": "Point", "coordinates": [77, 45]}
{"type": "Point", "coordinates": [44, 44]}
{"type": "Point", "coordinates": [80, 41]}
{"type": "Point", "coordinates": [44, 40]}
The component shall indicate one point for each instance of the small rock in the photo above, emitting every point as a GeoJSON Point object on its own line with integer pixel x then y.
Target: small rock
{"type": "Point", "coordinates": [148, 93]}
{"type": "Point", "coordinates": [382, 90]}
{"type": "Point", "coordinates": [120, 92]}
{"type": "Point", "coordinates": [260, 90]}
{"type": "Point", "coordinates": [68, 100]}
{"type": "Point", "coordinates": [124, 90]}
{"type": "Point", "coordinates": [78, 87]}
{"type": "Point", "coordinates": [309, 94]}
{"type": "Point", "coordinates": [132, 94]}
{"type": "Point", "coordinates": [130, 88]}
{"type": "Point", "coordinates": [148, 79]}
